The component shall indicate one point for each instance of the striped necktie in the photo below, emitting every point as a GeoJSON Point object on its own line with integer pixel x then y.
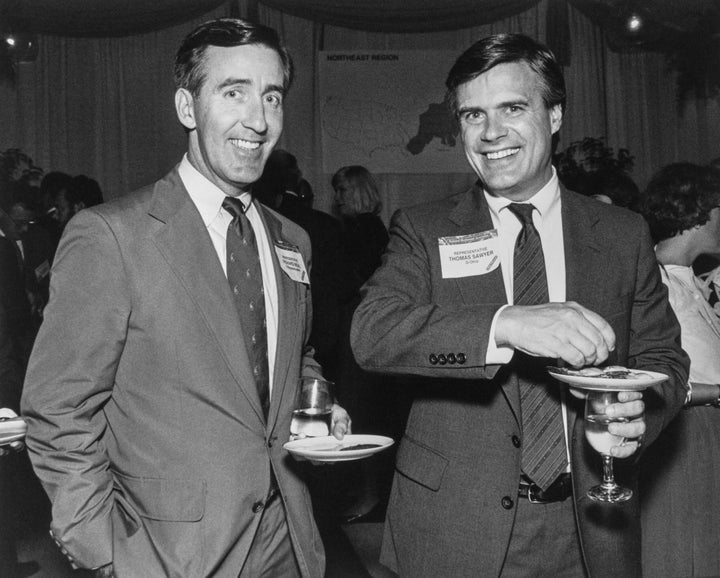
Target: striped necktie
{"type": "Point", "coordinates": [543, 451]}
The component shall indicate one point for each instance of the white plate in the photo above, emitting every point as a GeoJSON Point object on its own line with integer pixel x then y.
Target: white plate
{"type": "Point", "coordinates": [643, 380]}
{"type": "Point", "coordinates": [12, 429]}
{"type": "Point", "coordinates": [330, 449]}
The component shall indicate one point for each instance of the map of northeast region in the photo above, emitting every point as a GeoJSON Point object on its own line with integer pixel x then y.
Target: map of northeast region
{"type": "Point", "coordinates": [385, 110]}
{"type": "Point", "coordinates": [366, 125]}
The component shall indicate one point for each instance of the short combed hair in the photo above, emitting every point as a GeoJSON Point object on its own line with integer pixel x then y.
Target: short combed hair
{"type": "Point", "coordinates": [679, 197]}
{"type": "Point", "coordinates": [365, 197]}
{"type": "Point", "coordinates": [504, 49]}
{"type": "Point", "coordinates": [189, 71]}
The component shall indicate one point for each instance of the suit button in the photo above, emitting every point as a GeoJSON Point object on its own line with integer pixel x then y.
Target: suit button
{"type": "Point", "coordinates": [507, 502]}
{"type": "Point", "coordinates": [516, 441]}
{"type": "Point", "coordinates": [451, 358]}
{"type": "Point", "coordinates": [442, 360]}
{"type": "Point", "coordinates": [461, 358]}
{"type": "Point", "coordinates": [433, 359]}
{"type": "Point", "coordinates": [258, 506]}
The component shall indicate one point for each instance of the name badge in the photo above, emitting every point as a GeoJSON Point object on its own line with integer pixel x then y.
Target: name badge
{"type": "Point", "coordinates": [291, 262]}
{"type": "Point", "coordinates": [469, 255]}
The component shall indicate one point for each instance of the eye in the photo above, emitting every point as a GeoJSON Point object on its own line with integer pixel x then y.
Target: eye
{"type": "Point", "coordinates": [472, 117]}
{"type": "Point", "coordinates": [514, 109]}
{"type": "Point", "coordinates": [233, 93]}
{"type": "Point", "coordinates": [274, 100]}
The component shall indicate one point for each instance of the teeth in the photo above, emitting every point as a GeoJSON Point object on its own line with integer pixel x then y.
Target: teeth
{"type": "Point", "coordinates": [502, 154]}
{"type": "Point", "coordinates": [245, 144]}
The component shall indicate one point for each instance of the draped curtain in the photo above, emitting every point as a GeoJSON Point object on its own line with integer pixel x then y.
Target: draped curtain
{"type": "Point", "coordinates": [104, 106]}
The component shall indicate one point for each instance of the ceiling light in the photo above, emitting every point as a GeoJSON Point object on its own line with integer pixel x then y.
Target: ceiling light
{"type": "Point", "coordinates": [634, 23]}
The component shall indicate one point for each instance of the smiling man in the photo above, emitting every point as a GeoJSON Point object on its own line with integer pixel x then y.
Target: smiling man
{"type": "Point", "coordinates": [477, 294]}
{"type": "Point", "coordinates": [161, 386]}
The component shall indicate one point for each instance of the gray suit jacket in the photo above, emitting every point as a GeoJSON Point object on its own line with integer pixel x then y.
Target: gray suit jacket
{"type": "Point", "coordinates": [458, 464]}
{"type": "Point", "coordinates": [145, 425]}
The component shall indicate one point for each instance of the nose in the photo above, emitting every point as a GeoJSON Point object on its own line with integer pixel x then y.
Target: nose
{"type": "Point", "coordinates": [494, 128]}
{"type": "Point", "coordinates": [254, 118]}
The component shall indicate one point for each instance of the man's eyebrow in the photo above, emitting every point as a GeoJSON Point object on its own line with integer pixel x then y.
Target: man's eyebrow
{"type": "Point", "coordinates": [234, 82]}
{"type": "Point", "coordinates": [247, 82]}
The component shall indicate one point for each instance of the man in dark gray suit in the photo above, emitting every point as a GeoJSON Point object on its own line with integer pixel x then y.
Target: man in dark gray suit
{"type": "Point", "coordinates": [453, 304]}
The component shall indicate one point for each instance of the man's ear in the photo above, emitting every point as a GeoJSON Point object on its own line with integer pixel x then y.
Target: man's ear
{"type": "Point", "coordinates": [185, 108]}
{"type": "Point", "coordinates": [556, 116]}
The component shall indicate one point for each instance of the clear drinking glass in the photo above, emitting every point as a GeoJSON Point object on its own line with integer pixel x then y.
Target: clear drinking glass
{"type": "Point", "coordinates": [313, 412]}
{"type": "Point", "coordinates": [598, 436]}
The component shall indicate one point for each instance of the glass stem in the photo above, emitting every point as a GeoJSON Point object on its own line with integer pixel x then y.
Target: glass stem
{"type": "Point", "coordinates": [608, 476]}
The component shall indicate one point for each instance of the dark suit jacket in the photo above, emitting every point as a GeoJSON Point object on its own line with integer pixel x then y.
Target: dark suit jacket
{"type": "Point", "coordinates": [458, 465]}
{"type": "Point", "coordinates": [145, 425]}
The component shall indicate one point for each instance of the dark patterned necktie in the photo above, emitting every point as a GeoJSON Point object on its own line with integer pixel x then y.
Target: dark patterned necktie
{"type": "Point", "coordinates": [543, 451]}
{"type": "Point", "coordinates": [245, 277]}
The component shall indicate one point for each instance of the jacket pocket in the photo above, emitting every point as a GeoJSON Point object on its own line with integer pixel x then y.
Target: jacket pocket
{"type": "Point", "coordinates": [421, 464]}
{"type": "Point", "coordinates": [164, 499]}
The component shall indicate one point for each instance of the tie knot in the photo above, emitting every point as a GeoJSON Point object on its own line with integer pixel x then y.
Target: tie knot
{"type": "Point", "coordinates": [234, 206]}
{"type": "Point", "coordinates": [523, 211]}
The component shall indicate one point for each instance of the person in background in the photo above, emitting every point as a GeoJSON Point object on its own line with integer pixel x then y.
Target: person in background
{"type": "Point", "coordinates": [477, 294]}
{"type": "Point", "coordinates": [10, 384]}
{"type": "Point", "coordinates": [372, 400]}
{"type": "Point", "coordinates": [52, 187]}
{"type": "Point", "coordinates": [87, 190]}
{"type": "Point", "coordinates": [613, 187]}
{"type": "Point", "coordinates": [281, 174]}
{"type": "Point", "coordinates": [330, 277]}
{"type": "Point", "coordinates": [681, 471]}
{"type": "Point", "coordinates": [357, 200]}
{"type": "Point", "coordinates": [162, 382]}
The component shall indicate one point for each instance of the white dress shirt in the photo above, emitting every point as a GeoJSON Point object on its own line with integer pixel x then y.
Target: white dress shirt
{"type": "Point", "coordinates": [208, 199]}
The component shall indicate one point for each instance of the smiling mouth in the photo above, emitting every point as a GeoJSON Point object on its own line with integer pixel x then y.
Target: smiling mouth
{"type": "Point", "coordinates": [245, 145]}
{"type": "Point", "coordinates": [497, 155]}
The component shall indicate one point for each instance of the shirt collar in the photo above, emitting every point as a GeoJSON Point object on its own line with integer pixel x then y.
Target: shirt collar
{"type": "Point", "coordinates": [207, 196]}
{"type": "Point", "coordinates": [545, 200]}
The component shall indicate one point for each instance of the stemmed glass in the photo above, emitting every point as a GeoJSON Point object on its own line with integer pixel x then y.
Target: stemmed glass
{"type": "Point", "coordinates": [598, 436]}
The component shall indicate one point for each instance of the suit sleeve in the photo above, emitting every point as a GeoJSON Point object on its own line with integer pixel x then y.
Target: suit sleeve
{"type": "Point", "coordinates": [70, 377]}
{"type": "Point", "coordinates": [655, 341]}
{"type": "Point", "coordinates": [402, 322]}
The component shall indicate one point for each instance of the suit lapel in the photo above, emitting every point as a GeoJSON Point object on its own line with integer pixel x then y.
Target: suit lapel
{"type": "Point", "coordinates": [185, 244]}
{"type": "Point", "coordinates": [583, 277]}
{"type": "Point", "coordinates": [288, 312]}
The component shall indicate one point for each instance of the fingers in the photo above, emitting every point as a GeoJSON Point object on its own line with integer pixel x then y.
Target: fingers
{"type": "Point", "coordinates": [566, 331]}
{"type": "Point", "coordinates": [340, 424]}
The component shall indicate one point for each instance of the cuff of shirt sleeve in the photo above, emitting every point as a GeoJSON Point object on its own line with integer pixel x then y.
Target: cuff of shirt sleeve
{"type": "Point", "coordinates": [497, 355]}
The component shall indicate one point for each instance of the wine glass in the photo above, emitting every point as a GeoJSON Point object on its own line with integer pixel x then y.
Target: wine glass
{"type": "Point", "coordinates": [598, 436]}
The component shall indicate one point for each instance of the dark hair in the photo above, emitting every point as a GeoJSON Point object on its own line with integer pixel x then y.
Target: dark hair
{"type": "Point", "coordinates": [503, 49]}
{"type": "Point", "coordinates": [678, 197]}
{"type": "Point", "coordinates": [616, 186]}
{"type": "Point", "coordinates": [224, 32]}
{"type": "Point", "coordinates": [86, 190]}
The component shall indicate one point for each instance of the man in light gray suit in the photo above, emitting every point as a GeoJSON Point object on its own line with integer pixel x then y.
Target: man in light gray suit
{"type": "Point", "coordinates": [454, 306]}
{"type": "Point", "coordinates": [148, 426]}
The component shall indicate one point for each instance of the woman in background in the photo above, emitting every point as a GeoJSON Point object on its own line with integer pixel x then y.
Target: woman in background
{"type": "Point", "coordinates": [371, 399]}
{"type": "Point", "coordinates": [680, 477]}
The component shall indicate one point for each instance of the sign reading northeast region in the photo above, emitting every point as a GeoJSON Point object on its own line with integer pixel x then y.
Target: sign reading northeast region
{"type": "Point", "coordinates": [385, 110]}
